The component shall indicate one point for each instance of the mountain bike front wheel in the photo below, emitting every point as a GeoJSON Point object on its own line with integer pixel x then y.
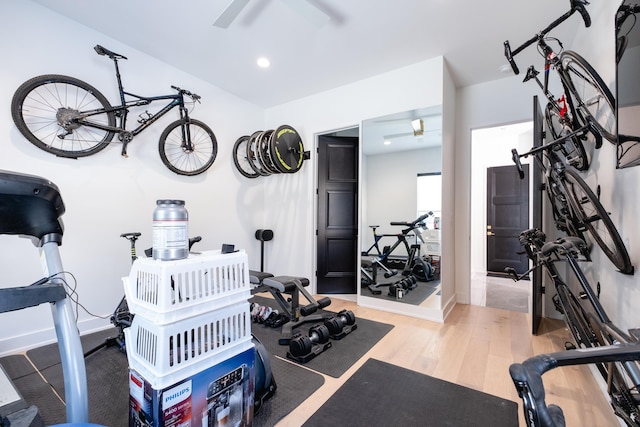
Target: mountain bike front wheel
{"type": "Point", "coordinates": [590, 95]}
{"type": "Point", "coordinates": [176, 154]}
{"type": "Point", "coordinates": [56, 114]}
{"type": "Point", "coordinates": [590, 214]}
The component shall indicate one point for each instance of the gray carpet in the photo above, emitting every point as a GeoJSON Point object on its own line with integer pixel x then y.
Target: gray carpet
{"type": "Point", "coordinates": [343, 353]}
{"type": "Point", "coordinates": [381, 394]}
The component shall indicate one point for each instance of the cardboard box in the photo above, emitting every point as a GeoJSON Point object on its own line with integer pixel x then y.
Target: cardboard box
{"type": "Point", "coordinates": [221, 395]}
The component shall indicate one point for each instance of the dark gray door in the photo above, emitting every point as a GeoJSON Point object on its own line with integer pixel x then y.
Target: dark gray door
{"type": "Point", "coordinates": [507, 217]}
{"type": "Point", "coordinates": [337, 214]}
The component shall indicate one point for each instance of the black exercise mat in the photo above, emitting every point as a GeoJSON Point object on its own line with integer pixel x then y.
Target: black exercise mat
{"type": "Point", "coordinates": [107, 383]}
{"type": "Point", "coordinates": [33, 389]}
{"type": "Point", "coordinates": [107, 379]}
{"type": "Point", "coordinates": [295, 385]}
{"type": "Point", "coordinates": [381, 394]}
{"type": "Point", "coordinates": [414, 297]}
{"type": "Point", "coordinates": [343, 353]}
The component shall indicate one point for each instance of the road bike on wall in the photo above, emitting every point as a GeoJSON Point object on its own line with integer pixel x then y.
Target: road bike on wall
{"type": "Point", "coordinates": [586, 106]}
{"type": "Point", "coordinates": [70, 118]}
{"type": "Point", "coordinates": [590, 327]}
{"type": "Point", "coordinates": [576, 209]}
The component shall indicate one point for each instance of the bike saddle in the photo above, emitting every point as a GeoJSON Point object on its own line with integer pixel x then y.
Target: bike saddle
{"type": "Point", "coordinates": [102, 51]}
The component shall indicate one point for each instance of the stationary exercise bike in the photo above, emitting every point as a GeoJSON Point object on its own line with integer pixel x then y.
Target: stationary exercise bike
{"type": "Point", "coordinates": [412, 265]}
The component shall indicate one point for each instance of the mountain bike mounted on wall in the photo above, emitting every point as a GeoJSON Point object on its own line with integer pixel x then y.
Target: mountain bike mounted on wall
{"type": "Point", "coordinates": [70, 118]}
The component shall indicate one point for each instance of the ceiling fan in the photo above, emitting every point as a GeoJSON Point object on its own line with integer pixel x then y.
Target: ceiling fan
{"type": "Point", "coordinates": [417, 126]}
{"type": "Point", "coordinates": [303, 7]}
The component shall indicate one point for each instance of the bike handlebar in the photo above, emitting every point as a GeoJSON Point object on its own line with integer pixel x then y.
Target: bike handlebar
{"type": "Point", "coordinates": [516, 159]}
{"type": "Point", "coordinates": [414, 223]}
{"type": "Point", "coordinates": [188, 93]}
{"type": "Point", "coordinates": [576, 6]}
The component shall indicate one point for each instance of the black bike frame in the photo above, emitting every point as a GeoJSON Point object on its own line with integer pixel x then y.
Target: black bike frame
{"type": "Point", "coordinates": [122, 110]}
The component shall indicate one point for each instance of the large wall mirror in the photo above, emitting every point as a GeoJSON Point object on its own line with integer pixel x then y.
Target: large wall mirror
{"type": "Point", "coordinates": [401, 208]}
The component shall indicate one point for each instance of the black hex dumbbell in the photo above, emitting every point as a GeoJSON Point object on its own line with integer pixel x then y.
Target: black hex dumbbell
{"type": "Point", "coordinates": [303, 348]}
{"type": "Point", "coordinates": [342, 324]}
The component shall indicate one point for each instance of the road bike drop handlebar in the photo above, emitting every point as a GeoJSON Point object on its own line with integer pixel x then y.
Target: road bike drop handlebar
{"type": "Point", "coordinates": [527, 377]}
{"type": "Point", "coordinates": [576, 6]}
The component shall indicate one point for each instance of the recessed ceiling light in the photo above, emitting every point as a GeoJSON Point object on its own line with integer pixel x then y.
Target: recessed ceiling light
{"type": "Point", "coordinates": [263, 62]}
{"type": "Point", "coordinates": [387, 142]}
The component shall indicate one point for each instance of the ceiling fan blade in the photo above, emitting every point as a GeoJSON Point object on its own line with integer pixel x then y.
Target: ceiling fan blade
{"type": "Point", "coordinates": [309, 11]}
{"type": "Point", "coordinates": [230, 13]}
{"type": "Point", "coordinates": [397, 135]}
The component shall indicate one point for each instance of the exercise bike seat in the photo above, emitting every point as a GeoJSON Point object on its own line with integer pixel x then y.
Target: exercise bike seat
{"type": "Point", "coordinates": [285, 284]}
{"type": "Point", "coordinates": [29, 205]}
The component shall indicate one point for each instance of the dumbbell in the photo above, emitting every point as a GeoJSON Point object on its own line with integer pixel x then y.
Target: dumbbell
{"type": "Point", "coordinates": [301, 345]}
{"type": "Point", "coordinates": [406, 284]}
{"type": "Point", "coordinates": [341, 324]}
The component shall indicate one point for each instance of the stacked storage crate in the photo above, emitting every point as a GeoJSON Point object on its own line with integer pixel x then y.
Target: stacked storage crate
{"type": "Point", "coordinates": [189, 347]}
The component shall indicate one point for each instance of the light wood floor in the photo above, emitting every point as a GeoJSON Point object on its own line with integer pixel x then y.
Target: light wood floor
{"type": "Point", "coordinates": [474, 348]}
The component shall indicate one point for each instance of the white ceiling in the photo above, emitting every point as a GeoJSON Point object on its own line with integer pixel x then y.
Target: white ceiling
{"type": "Point", "coordinates": [363, 38]}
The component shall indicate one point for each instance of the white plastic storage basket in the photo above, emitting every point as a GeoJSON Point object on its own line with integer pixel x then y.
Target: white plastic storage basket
{"type": "Point", "coordinates": [167, 291]}
{"type": "Point", "coordinates": [160, 350]}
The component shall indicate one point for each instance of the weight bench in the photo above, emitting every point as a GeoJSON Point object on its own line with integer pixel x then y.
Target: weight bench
{"type": "Point", "coordinates": [293, 287]}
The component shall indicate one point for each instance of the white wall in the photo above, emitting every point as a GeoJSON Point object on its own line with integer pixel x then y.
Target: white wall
{"type": "Point", "coordinates": [105, 194]}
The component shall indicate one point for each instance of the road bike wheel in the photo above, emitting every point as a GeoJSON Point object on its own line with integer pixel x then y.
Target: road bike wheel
{"type": "Point", "coordinates": [241, 160]}
{"type": "Point", "coordinates": [46, 110]}
{"type": "Point", "coordinates": [174, 152]}
{"type": "Point", "coordinates": [589, 213]}
{"type": "Point", "coordinates": [622, 391]}
{"type": "Point", "coordinates": [262, 143]}
{"type": "Point", "coordinates": [572, 149]}
{"type": "Point", "coordinates": [287, 150]}
{"type": "Point", "coordinates": [590, 95]}
{"type": "Point", "coordinates": [253, 154]}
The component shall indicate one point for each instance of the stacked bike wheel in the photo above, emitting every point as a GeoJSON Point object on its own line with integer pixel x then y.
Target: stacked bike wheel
{"type": "Point", "coordinates": [269, 152]}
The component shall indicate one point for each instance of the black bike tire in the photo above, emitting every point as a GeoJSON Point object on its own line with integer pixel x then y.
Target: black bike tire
{"type": "Point", "coordinates": [253, 154]}
{"type": "Point", "coordinates": [174, 157]}
{"type": "Point", "coordinates": [572, 149]}
{"type": "Point", "coordinates": [616, 252]}
{"type": "Point", "coordinates": [287, 150]}
{"type": "Point", "coordinates": [240, 158]}
{"type": "Point", "coordinates": [622, 399]}
{"type": "Point", "coordinates": [605, 123]}
{"type": "Point", "coordinates": [263, 151]}
{"type": "Point", "coordinates": [575, 317]}
{"type": "Point", "coordinates": [47, 95]}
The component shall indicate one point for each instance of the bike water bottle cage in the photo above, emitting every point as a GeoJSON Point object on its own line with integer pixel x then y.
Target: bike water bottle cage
{"type": "Point", "coordinates": [102, 51]}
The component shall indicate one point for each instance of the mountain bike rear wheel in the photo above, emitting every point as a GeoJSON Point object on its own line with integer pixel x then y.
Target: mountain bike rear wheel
{"type": "Point", "coordinates": [51, 112]}
{"type": "Point", "coordinates": [590, 95]}
{"type": "Point", "coordinates": [175, 153]}
{"type": "Point", "coordinates": [590, 214]}
{"type": "Point", "coordinates": [572, 148]}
